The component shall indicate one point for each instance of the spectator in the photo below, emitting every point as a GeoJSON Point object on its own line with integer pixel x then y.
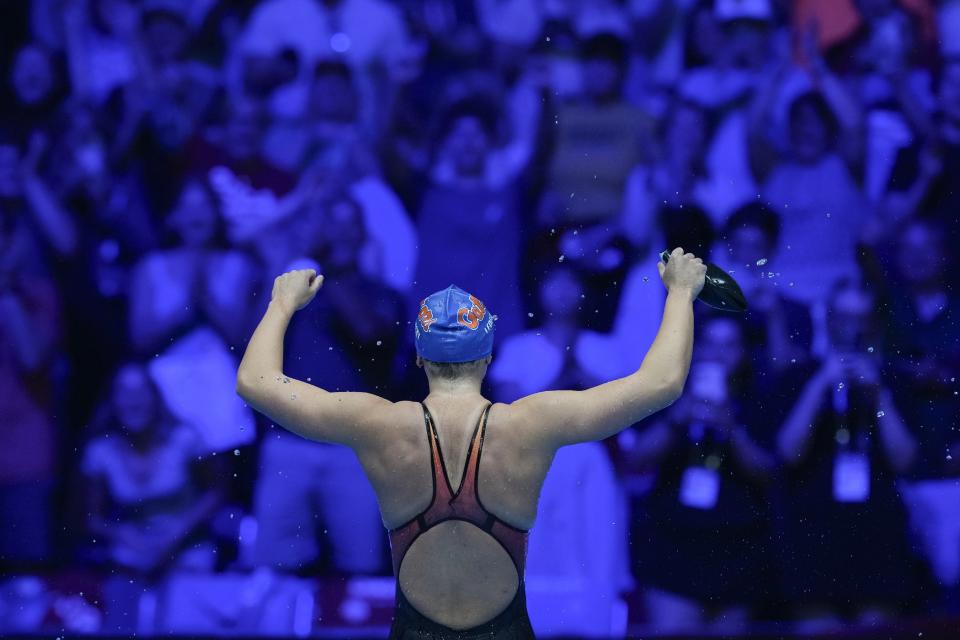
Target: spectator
{"type": "Point", "coordinates": [370, 35]}
{"type": "Point", "coordinates": [778, 329]}
{"type": "Point", "coordinates": [37, 88]}
{"type": "Point", "coordinates": [844, 445]}
{"type": "Point", "coordinates": [598, 135]}
{"type": "Point", "coordinates": [192, 300]}
{"type": "Point", "coordinates": [678, 178]}
{"type": "Point", "coordinates": [923, 353]}
{"type": "Point", "coordinates": [469, 222]}
{"type": "Point", "coordinates": [148, 499]}
{"type": "Point", "coordinates": [163, 106]}
{"type": "Point", "coordinates": [102, 49]}
{"type": "Point", "coordinates": [705, 557]}
{"type": "Point", "coordinates": [821, 208]}
{"type": "Point", "coordinates": [547, 357]}
{"type": "Point", "coordinates": [578, 595]}
{"type": "Point", "coordinates": [922, 177]}
{"type": "Point", "coordinates": [729, 53]}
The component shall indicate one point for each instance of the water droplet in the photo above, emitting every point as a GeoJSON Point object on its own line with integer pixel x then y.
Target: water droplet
{"type": "Point", "coordinates": [379, 343]}
{"type": "Point", "coordinates": [646, 279]}
{"type": "Point", "coordinates": [840, 386]}
{"type": "Point", "coordinates": [870, 349]}
{"type": "Point", "coordinates": [236, 452]}
{"type": "Point", "coordinates": [562, 258]}
{"type": "Point", "coordinates": [761, 262]}
{"type": "Point", "coordinates": [828, 215]}
{"type": "Point", "coordinates": [529, 314]}
{"type": "Point", "coordinates": [880, 414]}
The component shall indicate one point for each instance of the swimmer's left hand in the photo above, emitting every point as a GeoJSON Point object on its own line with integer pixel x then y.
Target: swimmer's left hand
{"type": "Point", "coordinates": [295, 289]}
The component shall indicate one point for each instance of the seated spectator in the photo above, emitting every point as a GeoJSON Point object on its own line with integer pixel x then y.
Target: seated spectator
{"type": "Point", "coordinates": [844, 444]}
{"type": "Point", "coordinates": [145, 499]}
{"type": "Point", "coordinates": [148, 496]}
{"type": "Point", "coordinates": [923, 352]}
{"type": "Point", "coordinates": [29, 332]}
{"type": "Point", "coordinates": [779, 331]}
{"type": "Point", "coordinates": [315, 509]}
{"type": "Point", "coordinates": [705, 557]}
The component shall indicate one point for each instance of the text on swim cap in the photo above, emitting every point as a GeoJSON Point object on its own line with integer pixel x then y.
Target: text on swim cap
{"type": "Point", "coordinates": [425, 317]}
{"type": "Point", "coordinates": [471, 318]}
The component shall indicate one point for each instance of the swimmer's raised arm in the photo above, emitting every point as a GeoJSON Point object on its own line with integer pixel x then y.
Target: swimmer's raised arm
{"type": "Point", "coordinates": [353, 419]}
{"type": "Point", "coordinates": [558, 418]}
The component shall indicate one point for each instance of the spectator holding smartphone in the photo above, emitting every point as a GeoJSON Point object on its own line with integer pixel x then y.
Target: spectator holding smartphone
{"type": "Point", "coordinates": [703, 537]}
{"type": "Point", "coordinates": [845, 551]}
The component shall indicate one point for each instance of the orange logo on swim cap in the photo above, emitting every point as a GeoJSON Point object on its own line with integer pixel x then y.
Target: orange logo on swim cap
{"type": "Point", "coordinates": [425, 317]}
{"type": "Point", "coordinates": [471, 318]}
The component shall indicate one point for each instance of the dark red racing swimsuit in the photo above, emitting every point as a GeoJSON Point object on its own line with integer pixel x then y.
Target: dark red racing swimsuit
{"type": "Point", "coordinates": [464, 504]}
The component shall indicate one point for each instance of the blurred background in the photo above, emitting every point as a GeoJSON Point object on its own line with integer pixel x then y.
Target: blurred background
{"type": "Point", "coordinates": [162, 161]}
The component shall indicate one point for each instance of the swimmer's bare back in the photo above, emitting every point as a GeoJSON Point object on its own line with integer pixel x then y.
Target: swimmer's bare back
{"type": "Point", "coordinates": [454, 572]}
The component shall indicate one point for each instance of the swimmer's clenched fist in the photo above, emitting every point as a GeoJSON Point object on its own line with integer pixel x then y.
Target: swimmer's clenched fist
{"type": "Point", "coordinates": [684, 272]}
{"type": "Point", "coordinates": [295, 289]}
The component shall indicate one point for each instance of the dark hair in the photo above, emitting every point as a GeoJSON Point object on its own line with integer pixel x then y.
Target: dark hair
{"type": "Point", "coordinates": [159, 12]}
{"type": "Point", "coordinates": [819, 104]}
{"type": "Point", "coordinates": [754, 214]}
{"type": "Point", "coordinates": [11, 138]}
{"type": "Point", "coordinates": [688, 227]}
{"type": "Point", "coordinates": [172, 201]}
{"type": "Point", "coordinates": [453, 370]}
{"type": "Point", "coordinates": [478, 108]}
{"type": "Point", "coordinates": [333, 67]}
{"type": "Point", "coordinates": [605, 46]}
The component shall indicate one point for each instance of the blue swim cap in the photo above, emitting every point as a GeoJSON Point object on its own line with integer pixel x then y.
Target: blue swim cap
{"type": "Point", "coordinates": [453, 326]}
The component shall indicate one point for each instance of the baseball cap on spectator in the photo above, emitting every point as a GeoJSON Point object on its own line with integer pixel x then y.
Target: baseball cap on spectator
{"type": "Point", "coordinates": [727, 10]}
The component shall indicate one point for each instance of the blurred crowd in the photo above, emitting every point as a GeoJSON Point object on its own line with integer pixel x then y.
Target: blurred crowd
{"type": "Point", "coordinates": [161, 161]}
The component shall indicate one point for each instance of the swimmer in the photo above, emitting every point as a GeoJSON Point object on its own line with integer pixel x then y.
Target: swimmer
{"type": "Point", "coordinates": [458, 523]}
